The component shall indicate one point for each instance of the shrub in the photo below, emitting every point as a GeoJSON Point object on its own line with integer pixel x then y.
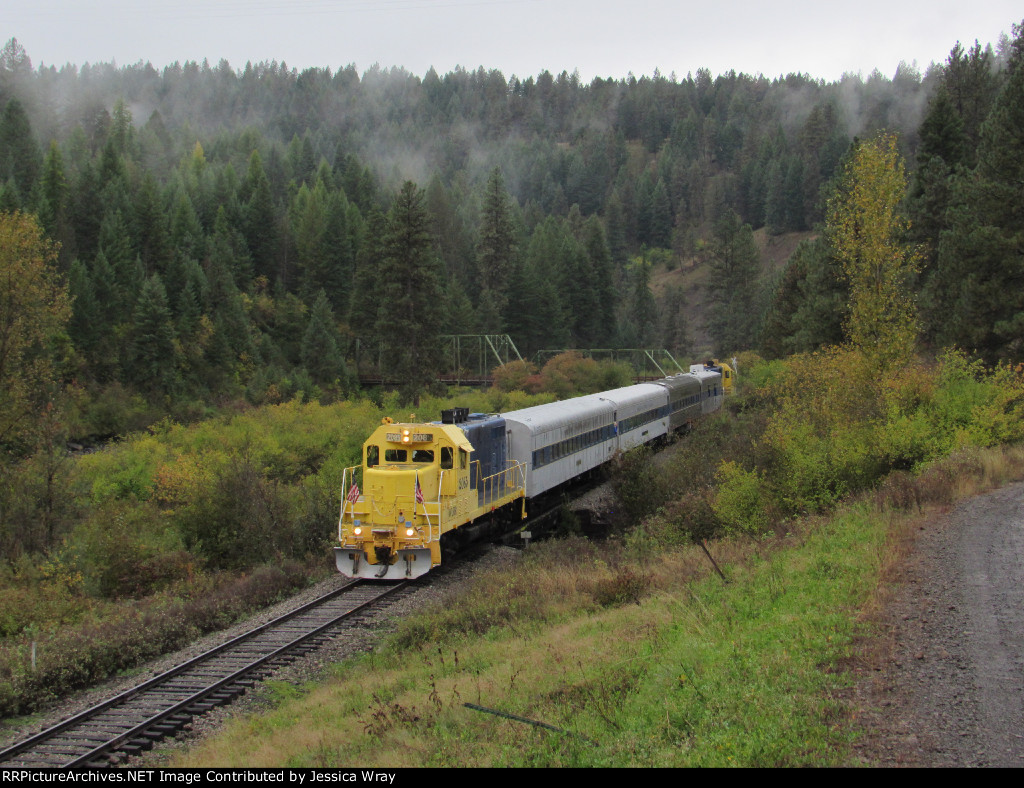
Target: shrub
{"type": "Point", "coordinates": [639, 485]}
{"type": "Point", "coordinates": [128, 551]}
{"type": "Point", "coordinates": [739, 499]}
{"type": "Point", "coordinates": [39, 502]}
{"type": "Point", "coordinates": [110, 410]}
{"type": "Point", "coordinates": [240, 518]}
{"type": "Point", "coordinates": [693, 516]}
{"type": "Point", "coordinates": [838, 426]}
{"type": "Point", "coordinates": [513, 376]}
{"type": "Point", "coordinates": [624, 586]}
{"type": "Point", "coordinates": [899, 491]}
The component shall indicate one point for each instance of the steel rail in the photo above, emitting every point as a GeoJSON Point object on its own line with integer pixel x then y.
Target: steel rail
{"type": "Point", "coordinates": [224, 685]}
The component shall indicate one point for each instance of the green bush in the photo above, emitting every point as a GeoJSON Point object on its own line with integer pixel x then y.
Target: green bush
{"type": "Point", "coordinates": [639, 484]}
{"type": "Point", "coordinates": [129, 551]}
{"type": "Point", "coordinates": [739, 500]}
{"type": "Point", "coordinates": [838, 427]}
{"type": "Point", "coordinates": [514, 375]}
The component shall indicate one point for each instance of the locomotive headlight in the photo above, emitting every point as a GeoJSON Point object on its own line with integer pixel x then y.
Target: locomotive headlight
{"type": "Point", "coordinates": [409, 531]}
{"type": "Point", "coordinates": [405, 436]}
{"type": "Point", "coordinates": [357, 531]}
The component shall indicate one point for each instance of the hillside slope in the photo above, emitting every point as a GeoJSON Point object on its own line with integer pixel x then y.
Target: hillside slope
{"type": "Point", "coordinates": [692, 275]}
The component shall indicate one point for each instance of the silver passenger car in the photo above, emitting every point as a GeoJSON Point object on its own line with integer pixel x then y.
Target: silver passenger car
{"type": "Point", "coordinates": [641, 413]}
{"type": "Point", "coordinates": [684, 398]}
{"type": "Point", "coordinates": [561, 440]}
{"type": "Point", "coordinates": [711, 389]}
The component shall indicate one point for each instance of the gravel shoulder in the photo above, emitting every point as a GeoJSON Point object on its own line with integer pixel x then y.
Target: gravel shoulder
{"type": "Point", "coordinates": [945, 684]}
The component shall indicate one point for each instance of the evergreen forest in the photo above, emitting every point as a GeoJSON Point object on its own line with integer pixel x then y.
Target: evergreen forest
{"type": "Point", "coordinates": [252, 235]}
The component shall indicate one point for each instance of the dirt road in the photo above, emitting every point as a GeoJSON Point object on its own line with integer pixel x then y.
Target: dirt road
{"type": "Point", "coordinates": [948, 690]}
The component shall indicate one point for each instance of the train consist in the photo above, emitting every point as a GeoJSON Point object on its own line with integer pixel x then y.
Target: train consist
{"type": "Point", "coordinates": [421, 486]}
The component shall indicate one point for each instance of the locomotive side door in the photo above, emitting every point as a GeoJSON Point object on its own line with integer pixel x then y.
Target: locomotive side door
{"type": "Point", "coordinates": [449, 480]}
{"type": "Point", "coordinates": [455, 481]}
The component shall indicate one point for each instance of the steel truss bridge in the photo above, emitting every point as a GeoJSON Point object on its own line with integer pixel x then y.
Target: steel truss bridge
{"type": "Point", "coordinates": [646, 363]}
{"type": "Point", "coordinates": [470, 360]}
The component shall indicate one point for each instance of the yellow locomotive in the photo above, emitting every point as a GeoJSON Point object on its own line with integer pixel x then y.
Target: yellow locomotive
{"type": "Point", "coordinates": [424, 487]}
{"type": "Point", "coordinates": [417, 483]}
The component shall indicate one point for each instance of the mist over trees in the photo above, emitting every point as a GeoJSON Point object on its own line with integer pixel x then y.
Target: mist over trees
{"type": "Point", "coordinates": [259, 233]}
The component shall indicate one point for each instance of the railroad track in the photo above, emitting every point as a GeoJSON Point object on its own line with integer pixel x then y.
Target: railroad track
{"type": "Point", "coordinates": [160, 707]}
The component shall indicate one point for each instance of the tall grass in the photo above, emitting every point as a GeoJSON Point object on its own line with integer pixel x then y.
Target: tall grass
{"type": "Point", "coordinates": [677, 670]}
{"type": "Point", "coordinates": [636, 658]}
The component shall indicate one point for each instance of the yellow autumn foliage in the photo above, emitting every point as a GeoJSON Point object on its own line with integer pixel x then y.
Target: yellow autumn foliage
{"type": "Point", "coordinates": [865, 231]}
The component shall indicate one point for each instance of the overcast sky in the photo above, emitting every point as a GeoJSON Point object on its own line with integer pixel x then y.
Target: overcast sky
{"type": "Point", "coordinates": [598, 37]}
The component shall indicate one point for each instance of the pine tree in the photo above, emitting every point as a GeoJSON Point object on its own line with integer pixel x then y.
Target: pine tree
{"type": "Point", "coordinates": [232, 337]}
{"type": "Point", "coordinates": [186, 235]}
{"type": "Point", "coordinates": [602, 327]}
{"type": "Point", "coordinates": [539, 314]}
{"type": "Point", "coordinates": [85, 219]}
{"type": "Point", "coordinates": [979, 282]}
{"type": "Point", "coordinates": [410, 311]}
{"type": "Point", "coordinates": [641, 326]}
{"type": "Point", "coordinates": [53, 203]}
{"type": "Point", "coordinates": [20, 159]}
{"type": "Point", "coordinates": [496, 252]}
{"type": "Point", "coordinates": [115, 244]}
{"type": "Point", "coordinates": [459, 315]}
{"type": "Point", "coordinates": [809, 306]}
{"type": "Point", "coordinates": [261, 232]}
{"type": "Point", "coordinates": [151, 227]}
{"type": "Point", "coordinates": [675, 328]}
{"type": "Point", "coordinates": [308, 219]}
{"type": "Point", "coordinates": [188, 301]}
{"type": "Point", "coordinates": [86, 321]}
{"type": "Point", "coordinates": [536, 318]}
{"type": "Point", "coordinates": [615, 230]}
{"type": "Point", "coordinates": [320, 354]}
{"type": "Point", "coordinates": [339, 252]}
{"type": "Point", "coordinates": [972, 82]}
{"type": "Point", "coordinates": [733, 285]}
{"type": "Point", "coordinates": [661, 219]}
{"type": "Point", "coordinates": [151, 359]}
{"type": "Point", "coordinates": [228, 249]}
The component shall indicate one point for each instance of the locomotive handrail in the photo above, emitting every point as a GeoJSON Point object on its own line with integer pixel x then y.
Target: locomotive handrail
{"type": "Point", "coordinates": [344, 496]}
{"type": "Point", "coordinates": [492, 487]}
{"type": "Point", "coordinates": [440, 509]}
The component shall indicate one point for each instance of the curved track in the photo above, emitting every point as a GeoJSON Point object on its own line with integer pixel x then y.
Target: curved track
{"type": "Point", "coordinates": [134, 720]}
